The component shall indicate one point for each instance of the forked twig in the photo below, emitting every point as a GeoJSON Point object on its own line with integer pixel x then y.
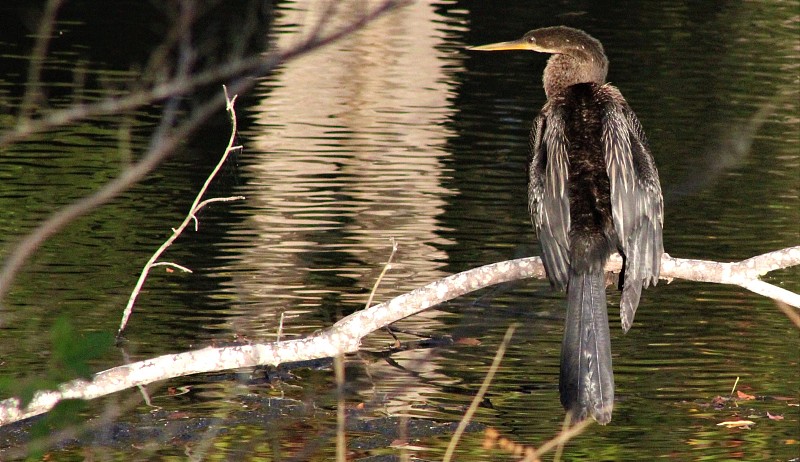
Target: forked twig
{"type": "Point", "coordinates": [191, 216]}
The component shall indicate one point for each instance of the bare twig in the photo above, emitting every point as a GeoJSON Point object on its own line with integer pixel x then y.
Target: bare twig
{"type": "Point", "coordinates": [530, 453]}
{"type": "Point", "coordinates": [174, 265]}
{"type": "Point", "coordinates": [280, 326]}
{"type": "Point", "coordinates": [43, 36]}
{"type": "Point", "coordinates": [560, 446]}
{"type": "Point", "coordinates": [209, 201]}
{"type": "Point", "coordinates": [196, 205]}
{"type": "Point", "coordinates": [66, 215]}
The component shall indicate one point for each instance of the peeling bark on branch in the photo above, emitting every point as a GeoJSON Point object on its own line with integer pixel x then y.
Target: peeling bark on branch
{"type": "Point", "coordinates": [345, 335]}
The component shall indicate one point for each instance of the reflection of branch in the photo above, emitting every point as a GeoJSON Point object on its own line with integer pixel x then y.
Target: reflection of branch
{"type": "Point", "coordinates": [251, 67]}
{"type": "Point", "coordinates": [730, 152]}
{"type": "Point", "coordinates": [345, 335]}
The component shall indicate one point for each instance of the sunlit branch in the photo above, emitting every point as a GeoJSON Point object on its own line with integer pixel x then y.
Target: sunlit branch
{"type": "Point", "coordinates": [345, 335]}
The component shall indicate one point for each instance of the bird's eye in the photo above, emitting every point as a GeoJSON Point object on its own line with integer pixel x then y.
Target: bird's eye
{"type": "Point", "coordinates": [532, 39]}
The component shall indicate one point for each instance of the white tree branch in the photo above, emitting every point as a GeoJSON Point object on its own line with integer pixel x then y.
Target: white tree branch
{"type": "Point", "coordinates": [345, 335]}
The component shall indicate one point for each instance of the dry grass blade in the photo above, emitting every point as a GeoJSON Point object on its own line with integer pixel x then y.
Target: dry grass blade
{"type": "Point", "coordinates": [501, 350]}
{"type": "Point", "coordinates": [560, 447]}
{"type": "Point", "coordinates": [559, 440]}
{"type": "Point", "coordinates": [385, 269]}
{"type": "Point", "coordinates": [789, 312]}
{"type": "Point", "coordinates": [341, 447]}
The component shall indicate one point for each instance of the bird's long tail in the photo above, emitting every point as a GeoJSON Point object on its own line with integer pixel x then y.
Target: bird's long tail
{"type": "Point", "coordinates": [587, 380]}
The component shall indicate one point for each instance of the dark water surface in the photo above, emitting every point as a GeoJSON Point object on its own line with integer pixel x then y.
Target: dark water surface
{"type": "Point", "coordinates": [399, 133]}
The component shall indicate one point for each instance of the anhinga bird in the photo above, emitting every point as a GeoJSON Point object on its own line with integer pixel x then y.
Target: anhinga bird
{"type": "Point", "coordinates": [593, 189]}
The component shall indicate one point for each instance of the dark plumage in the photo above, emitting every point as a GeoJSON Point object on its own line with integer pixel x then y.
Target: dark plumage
{"type": "Point", "coordinates": [593, 189]}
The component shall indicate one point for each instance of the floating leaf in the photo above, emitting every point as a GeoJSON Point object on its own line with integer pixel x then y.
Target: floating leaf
{"type": "Point", "coordinates": [743, 395]}
{"type": "Point", "coordinates": [774, 416]}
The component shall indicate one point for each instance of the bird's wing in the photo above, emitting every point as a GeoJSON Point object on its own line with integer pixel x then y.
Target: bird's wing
{"type": "Point", "coordinates": [548, 199]}
{"type": "Point", "coordinates": [636, 203]}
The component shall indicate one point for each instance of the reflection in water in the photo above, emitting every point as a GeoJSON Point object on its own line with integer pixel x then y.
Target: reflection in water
{"type": "Point", "coordinates": [730, 152]}
{"type": "Point", "coordinates": [351, 147]}
{"type": "Point", "coordinates": [351, 142]}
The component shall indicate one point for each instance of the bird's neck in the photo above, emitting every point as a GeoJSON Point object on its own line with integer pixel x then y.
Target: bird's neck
{"type": "Point", "coordinates": [565, 70]}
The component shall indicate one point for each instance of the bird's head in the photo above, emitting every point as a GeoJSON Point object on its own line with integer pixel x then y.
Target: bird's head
{"type": "Point", "coordinates": [577, 56]}
{"type": "Point", "coordinates": [553, 40]}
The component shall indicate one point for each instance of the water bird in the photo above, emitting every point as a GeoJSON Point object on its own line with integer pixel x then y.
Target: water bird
{"type": "Point", "coordinates": [593, 189]}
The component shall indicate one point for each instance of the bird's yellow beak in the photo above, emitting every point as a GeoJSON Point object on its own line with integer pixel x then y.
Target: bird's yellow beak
{"type": "Point", "coordinates": [512, 45]}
